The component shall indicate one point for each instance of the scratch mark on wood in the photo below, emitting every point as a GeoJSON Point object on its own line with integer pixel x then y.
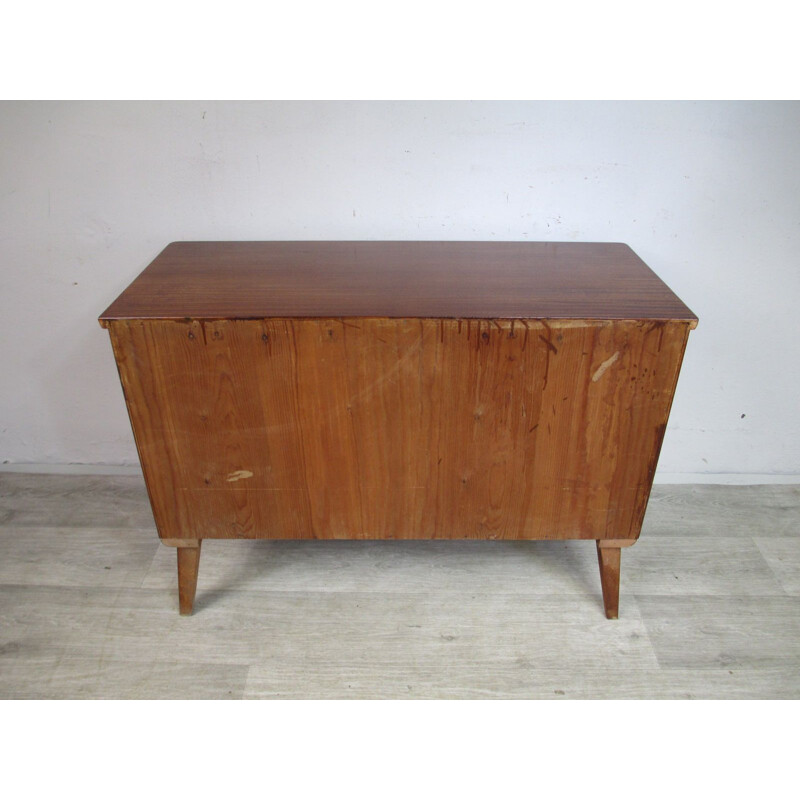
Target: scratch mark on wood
{"type": "Point", "coordinates": [600, 371]}
{"type": "Point", "coordinates": [239, 474]}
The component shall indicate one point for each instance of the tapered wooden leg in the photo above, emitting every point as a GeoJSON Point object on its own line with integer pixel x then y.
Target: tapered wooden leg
{"type": "Point", "coordinates": [188, 563]}
{"type": "Point", "coordinates": [609, 558]}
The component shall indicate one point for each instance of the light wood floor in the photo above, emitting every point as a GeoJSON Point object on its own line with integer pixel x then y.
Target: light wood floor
{"type": "Point", "coordinates": [709, 606]}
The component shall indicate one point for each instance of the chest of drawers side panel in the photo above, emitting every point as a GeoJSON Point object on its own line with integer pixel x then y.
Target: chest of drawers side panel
{"type": "Point", "coordinates": [149, 416]}
{"type": "Point", "coordinates": [642, 432]}
{"type": "Point", "coordinates": [398, 428]}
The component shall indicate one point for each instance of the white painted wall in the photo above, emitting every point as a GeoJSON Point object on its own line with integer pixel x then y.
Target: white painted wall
{"type": "Point", "coordinates": [707, 193]}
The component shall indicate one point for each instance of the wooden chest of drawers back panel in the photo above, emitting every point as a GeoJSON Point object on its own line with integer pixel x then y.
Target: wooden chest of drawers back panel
{"type": "Point", "coordinates": [398, 390]}
{"type": "Point", "coordinates": [384, 428]}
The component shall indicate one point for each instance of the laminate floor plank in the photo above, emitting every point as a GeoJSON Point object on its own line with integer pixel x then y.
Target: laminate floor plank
{"type": "Point", "coordinates": [516, 680]}
{"type": "Point", "coordinates": [23, 672]}
{"type": "Point", "coordinates": [75, 556]}
{"type": "Point", "coordinates": [539, 568]}
{"type": "Point", "coordinates": [713, 510]}
{"type": "Point", "coordinates": [85, 678]}
{"type": "Point", "coordinates": [685, 565]}
{"type": "Point", "coordinates": [703, 632]}
{"type": "Point", "coordinates": [86, 501]}
{"type": "Point", "coordinates": [783, 558]}
{"type": "Point", "coordinates": [304, 628]}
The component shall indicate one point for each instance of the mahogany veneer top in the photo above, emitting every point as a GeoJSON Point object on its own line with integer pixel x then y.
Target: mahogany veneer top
{"type": "Point", "coordinates": [478, 280]}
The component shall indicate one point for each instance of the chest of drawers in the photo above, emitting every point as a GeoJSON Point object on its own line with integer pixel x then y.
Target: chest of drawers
{"type": "Point", "coordinates": [398, 390]}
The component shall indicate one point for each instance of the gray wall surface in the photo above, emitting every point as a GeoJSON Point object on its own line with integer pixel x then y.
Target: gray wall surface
{"type": "Point", "coordinates": [705, 192]}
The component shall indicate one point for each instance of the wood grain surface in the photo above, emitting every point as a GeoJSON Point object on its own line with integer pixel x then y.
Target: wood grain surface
{"type": "Point", "coordinates": [188, 564]}
{"type": "Point", "coordinates": [609, 559]}
{"type": "Point", "coordinates": [398, 428]}
{"type": "Point", "coordinates": [476, 280]}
